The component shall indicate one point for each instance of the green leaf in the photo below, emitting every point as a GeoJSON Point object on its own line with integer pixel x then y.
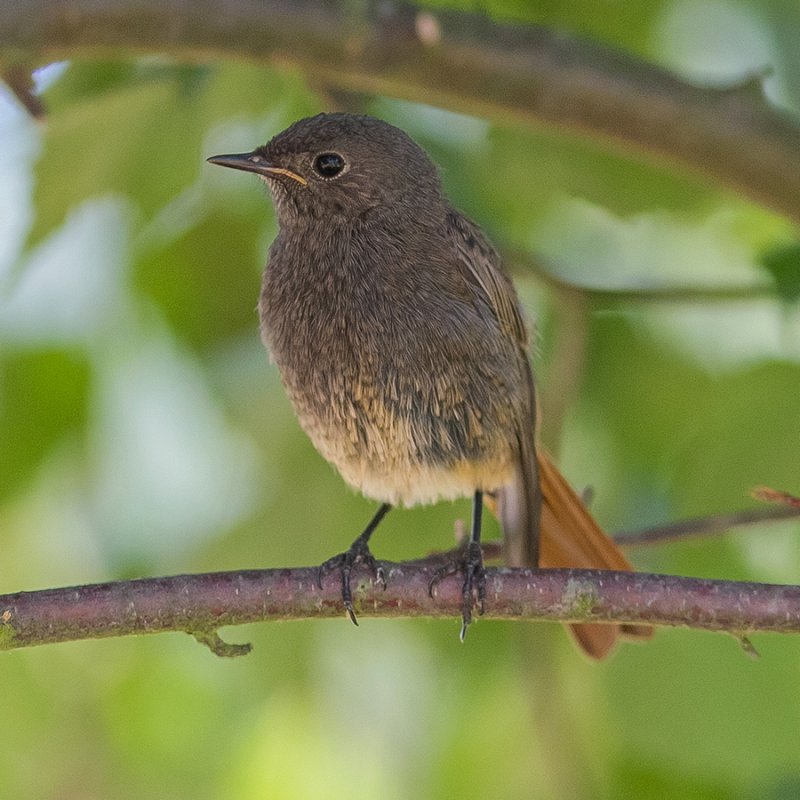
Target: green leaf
{"type": "Point", "coordinates": [43, 397]}
{"type": "Point", "coordinates": [206, 282]}
{"type": "Point", "coordinates": [783, 264]}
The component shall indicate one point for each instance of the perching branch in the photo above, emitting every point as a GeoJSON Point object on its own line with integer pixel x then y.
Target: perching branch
{"type": "Point", "coordinates": [201, 604]}
{"type": "Point", "coordinates": [523, 74]}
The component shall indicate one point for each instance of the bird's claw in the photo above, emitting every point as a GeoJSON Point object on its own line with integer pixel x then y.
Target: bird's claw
{"type": "Point", "coordinates": [358, 553]}
{"type": "Point", "coordinates": [473, 590]}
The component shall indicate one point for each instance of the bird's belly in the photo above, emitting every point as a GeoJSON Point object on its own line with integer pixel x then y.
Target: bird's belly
{"type": "Point", "coordinates": [410, 409]}
{"type": "Point", "coordinates": [423, 484]}
{"type": "Point", "coordinates": [406, 454]}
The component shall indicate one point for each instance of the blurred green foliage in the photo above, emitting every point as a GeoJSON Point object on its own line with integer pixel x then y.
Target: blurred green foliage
{"type": "Point", "coordinates": [144, 432]}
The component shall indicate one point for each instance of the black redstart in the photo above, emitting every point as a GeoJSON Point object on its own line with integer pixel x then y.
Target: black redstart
{"type": "Point", "coordinates": [400, 342]}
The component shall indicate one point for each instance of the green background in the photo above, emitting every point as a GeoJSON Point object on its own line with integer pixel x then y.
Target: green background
{"type": "Point", "coordinates": [143, 432]}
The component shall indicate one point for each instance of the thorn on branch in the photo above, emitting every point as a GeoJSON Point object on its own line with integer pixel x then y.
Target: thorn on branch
{"type": "Point", "coordinates": [747, 645]}
{"type": "Point", "coordinates": [214, 642]}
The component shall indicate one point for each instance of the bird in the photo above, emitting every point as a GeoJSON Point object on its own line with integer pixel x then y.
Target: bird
{"type": "Point", "coordinates": [403, 349]}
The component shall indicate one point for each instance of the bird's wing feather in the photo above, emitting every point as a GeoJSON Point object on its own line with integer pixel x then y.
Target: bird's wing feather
{"type": "Point", "coordinates": [539, 492]}
{"type": "Point", "coordinates": [518, 505]}
{"type": "Point", "coordinates": [485, 267]}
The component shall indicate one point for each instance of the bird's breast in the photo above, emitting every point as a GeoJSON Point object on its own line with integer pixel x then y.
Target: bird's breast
{"type": "Point", "coordinates": [390, 383]}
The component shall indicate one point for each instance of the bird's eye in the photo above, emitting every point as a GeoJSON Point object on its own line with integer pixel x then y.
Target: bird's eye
{"type": "Point", "coordinates": [328, 165]}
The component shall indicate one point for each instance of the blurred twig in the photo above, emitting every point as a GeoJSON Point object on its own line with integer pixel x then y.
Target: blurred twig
{"type": "Point", "coordinates": [528, 75]}
{"type": "Point", "coordinates": [522, 263]}
{"type": "Point", "coordinates": [567, 364]}
{"type": "Point", "coordinates": [201, 604]}
{"type": "Point", "coordinates": [693, 528]}
{"type": "Point", "coordinates": [19, 79]}
{"type": "Point", "coordinates": [704, 526]}
{"type": "Point", "coordinates": [770, 495]}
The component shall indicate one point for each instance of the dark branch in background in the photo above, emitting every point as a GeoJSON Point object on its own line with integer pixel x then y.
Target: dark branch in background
{"type": "Point", "coordinates": [525, 75]}
{"type": "Point", "coordinates": [201, 604]}
{"type": "Point", "coordinates": [18, 78]}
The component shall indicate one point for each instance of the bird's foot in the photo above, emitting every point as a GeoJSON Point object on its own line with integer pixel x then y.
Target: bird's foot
{"type": "Point", "coordinates": [357, 553]}
{"type": "Point", "coordinates": [473, 591]}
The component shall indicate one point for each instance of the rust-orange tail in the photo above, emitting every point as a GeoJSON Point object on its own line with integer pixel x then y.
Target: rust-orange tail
{"type": "Point", "coordinates": [570, 537]}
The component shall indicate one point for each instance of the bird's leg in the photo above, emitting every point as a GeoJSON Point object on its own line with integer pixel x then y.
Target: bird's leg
{"type": "Point", "coordinates": [357, 553]}
{"type": "Point", "coordinates": [470, 563]}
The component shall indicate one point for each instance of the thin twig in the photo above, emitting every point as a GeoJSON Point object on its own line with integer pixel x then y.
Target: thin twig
{"type": "Point", "coordinates": [521, 262]}
{"type": "Point", "coordinates": [770, 495]}
{"type": "Point", "coordinates": [704, 526]}
{"type": "Point", "coordinates": [567, 365]}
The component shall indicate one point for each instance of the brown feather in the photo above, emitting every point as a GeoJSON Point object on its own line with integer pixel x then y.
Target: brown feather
{"type": "Point", "coordinates": [544, 521]}
{"type": "Point", "coordinates": [572, 538]}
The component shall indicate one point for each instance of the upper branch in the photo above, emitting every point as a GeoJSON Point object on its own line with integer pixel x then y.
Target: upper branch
{"type": "Point", "coordinates": [200, 604]}
{"type": "Point", "coordinates": [455, 60]}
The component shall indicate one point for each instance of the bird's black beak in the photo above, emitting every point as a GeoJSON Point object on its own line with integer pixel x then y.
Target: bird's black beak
{"type": "Point", "coordinates": [254, 162]}
{"type": "Point", "coordinates": [250, 162]}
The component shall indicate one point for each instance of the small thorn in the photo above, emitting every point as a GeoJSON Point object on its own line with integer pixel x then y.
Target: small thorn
{"type": "Point", "coordinates": [748, 647]}
{"type": "Point", "coordinates": [213, 641]}
{"type": "Point", "coordinates": [351, 613]}
{"type": "Point", "coordinates": [380, 576]}
{"type": "Point", "coordinates": [463, 634]}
